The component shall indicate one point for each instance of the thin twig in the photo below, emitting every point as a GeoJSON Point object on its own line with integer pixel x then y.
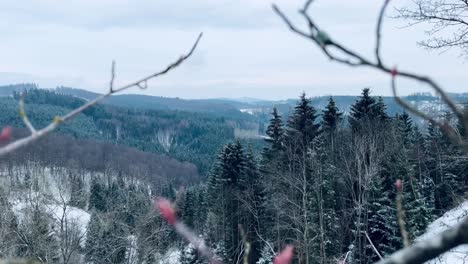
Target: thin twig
{"type": "Point", "coordinates": [23, 114]}
{"type": "Point", "coordinates": [379, 32]}
{"type": "Point", "coordinates": [246, 244]}
{"type": "Point", "coordinates": [373, 246]}
{"type": "Point", "coordinates": [401, 214]}
{"type": "Point", "coordinates": [426, 250]}
{"type": "Point", "coordinates": [111, 83]}
{"type": "Point", "coordinates": [142, 83]}
{"type": "Point", "coordinates": [356, 60]}
{"type": "Point", "coordinates": [197, 242]}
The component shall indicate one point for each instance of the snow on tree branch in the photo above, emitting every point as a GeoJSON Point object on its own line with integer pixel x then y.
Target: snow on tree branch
{"type": "Point", "coordinates": [36, 134]}
{"type": "Point", "coordinates": [426, 250]}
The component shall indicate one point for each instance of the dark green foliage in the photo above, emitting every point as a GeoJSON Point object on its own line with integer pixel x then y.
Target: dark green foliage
{"type": "Point", "coordinates": [383, 223]}
{"type": "Point", "coordinates": [98, 195]}
{"type": "Point", "coordinates": [78, 192]}
{"type": "Point", "coordinates": [233, 198]}
{"type": "Point", "coordinates": [331, 117]}
{"type": "Point", "coordinates": [363, 109]}
{"type": "Point", "coordinates": [319, 184]}
{"type": "Point", "coordinates": [302, 127]}
{"type": "Point", "coordinates": [275, 133]}
{"type": "Point", "coordinates": [186, 136]}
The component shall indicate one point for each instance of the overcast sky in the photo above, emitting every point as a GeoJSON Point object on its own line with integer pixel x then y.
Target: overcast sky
{"type": "Point", "coordinates": [246, 50]}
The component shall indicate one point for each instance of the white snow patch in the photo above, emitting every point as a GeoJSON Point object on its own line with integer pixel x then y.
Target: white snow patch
{"type": "Point", "coordinates": [70, 215]}
{"type": "Point", "coordinates": [132, 254]}
{"type": "Point", "coordinates": [458, 255]}
{"type": "Point", "coordinates": [251, 111]}
{"type": "Point", "coordinates": [172, 256]}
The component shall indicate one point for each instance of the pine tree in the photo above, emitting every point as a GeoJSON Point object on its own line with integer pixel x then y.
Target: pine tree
{"type": "Point", "coordinates": [94, 248]}
{"type": "Point", "coordinates": [275, 133]}
{"type": "Point", "coordinates": [235, 196]}
{"type": "Point", "coordinates": [405, 128]}
{"type": "Point", "coordinates": [77, 192]}
{"type": "Point", "coordinates": [362, 110]}
{"type": "Point", "coordinates": [266, 256]}
{"type": "Point", "coordinates": [440, 167]}
{"type": "Point", "coordinates": [252, 198]}
{"type": "Point", "coordinates": [331, 117]}
{"type": "Point", "coordinates": [190, 207]}
{"type": "Point", "coordinates": [302, 128]}
{"type": "Point", "coordinates": [223, 191]}
{"type": "Point", "coordinates": [380, 111]}
{"type": "Point", "coordinates": [382, 225]}
{"type": "Point", "coordinates": [97, 198]}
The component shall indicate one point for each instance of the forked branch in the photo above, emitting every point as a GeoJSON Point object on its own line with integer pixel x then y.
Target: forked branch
{"type": "Point", "coordinates": [425, 250]}
{"type": "Point", "coordinates": [351, 58]}
{"type": "Point", "coordinates": [141, 83]}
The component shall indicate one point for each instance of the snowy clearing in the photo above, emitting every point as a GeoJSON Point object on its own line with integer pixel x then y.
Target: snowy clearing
{"type": "Point", "coordinates": [458, 255]}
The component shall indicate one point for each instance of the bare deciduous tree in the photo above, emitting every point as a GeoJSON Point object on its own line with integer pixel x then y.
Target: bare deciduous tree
{"type": "Point", "coordinates": [447, 21]}
{"type": "Point", "coordinates": [335, 51]}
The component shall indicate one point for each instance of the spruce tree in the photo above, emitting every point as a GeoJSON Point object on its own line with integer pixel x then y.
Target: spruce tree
{"type": "Point", "coordinates": [331, 117]}
{"type": "Point", "coordinates": [275, 133]}
{"type": "Point", "coordinates": [97, 197]}
{"type": "Point", "coordinates": [223, 191]}
{"type": "Point", "coordinates": [380, 111]}
{"type": "Point", "coordinates": [383, 223]}
{"type": "Point", "coordinates": [77, 192]}
{"type": "Point", "coordinates": [362, 110]}
{"type": "Point", "coordinates": [405, 128]}
{"type": "Point", "coordinates": [302, 128]}
{"type": "Point", "coordinates": [331, 120]}
{"type": "Point", "coordinates": [94, 247]}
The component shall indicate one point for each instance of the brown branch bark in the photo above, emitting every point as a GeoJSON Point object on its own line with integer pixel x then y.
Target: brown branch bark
{"type": "Point", "coordinates": [425, 250]}
{"type": "Point", "coordinates": [141, 83]}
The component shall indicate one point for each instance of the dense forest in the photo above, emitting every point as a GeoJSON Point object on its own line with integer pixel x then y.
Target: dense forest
{"type": "Point", "coordinates": [186, 136]}
{"type": "Point", "coordinates": [320, 179]}
{"type": "Point", "coordinates": [328, 186]}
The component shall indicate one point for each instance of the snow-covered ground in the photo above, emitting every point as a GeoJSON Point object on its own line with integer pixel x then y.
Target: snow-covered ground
{"type": "Point", "coordinates": [458, 255]}
{"type": "Point", "coordinates": [172, 256]}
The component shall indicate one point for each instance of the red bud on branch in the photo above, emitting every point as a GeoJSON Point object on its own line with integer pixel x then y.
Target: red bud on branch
{"type": "Point", "coordinates": [285, 256]}
{"type": "Point", "coordinates": [399, 185]}
{"type": "Point", "coordinates": [6, 133]}
{"type": "Point", "coordinates": [167, 210]}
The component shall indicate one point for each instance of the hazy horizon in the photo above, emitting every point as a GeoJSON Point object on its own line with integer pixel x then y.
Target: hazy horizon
{"type": "Point", "coordinates": [246, 50]}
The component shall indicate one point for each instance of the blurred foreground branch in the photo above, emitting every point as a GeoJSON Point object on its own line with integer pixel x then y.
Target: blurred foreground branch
{"type": "Point", "coordinates": [36, 134]}
{"type": "Point", "coordinates": [335, 51]}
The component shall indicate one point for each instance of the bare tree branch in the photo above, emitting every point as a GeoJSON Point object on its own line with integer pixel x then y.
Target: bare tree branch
{"type": "Point", "coordinates": [23, 114]}
{"type": "Point", "coordinates": [431, 248]}
{"type": "Point", "coordinates": [426, 250]}
{"type": "Point", "coordinates": [111, 84]}
{"type": "Point", "coordinates": [447, 19]}
{"type": "Point", "coordinates": [354, 59]}
{"type": "Point", "coordinates": [372, 245]}
{"type": "Point", "coordinates": [379, 30]}
{"type": "Point", "coordinates": [142, 84]}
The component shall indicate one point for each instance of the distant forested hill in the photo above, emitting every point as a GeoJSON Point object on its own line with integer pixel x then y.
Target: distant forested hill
{"type": "Point", "coordinates": [187, 130]}
{"type": "Point", "coordinates": [186, 136]}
